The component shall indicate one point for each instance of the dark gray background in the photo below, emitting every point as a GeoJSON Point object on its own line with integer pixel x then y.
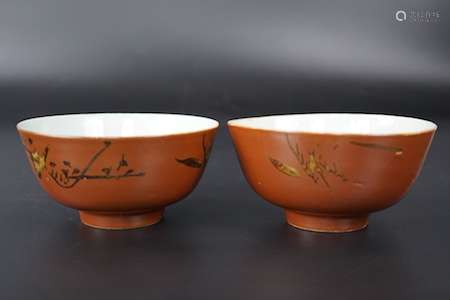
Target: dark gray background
{"type": "Point", "coordinates": [222, 59]}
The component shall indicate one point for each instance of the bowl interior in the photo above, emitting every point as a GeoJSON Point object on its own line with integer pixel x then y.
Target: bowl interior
{"type": "Point", "coordinates": [116, 125]}
{"type": "Point", "coordinates": [338, 123]}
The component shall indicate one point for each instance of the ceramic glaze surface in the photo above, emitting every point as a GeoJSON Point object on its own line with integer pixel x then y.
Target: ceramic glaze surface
{"type": "Point", "coordinates": [331, 181]}
{"type": "Point", "coordinates": [118, 179]}
{"type": "Point", "coordinates": [338, 123]}
{"type": "Point", "coordinates": [116, 125]}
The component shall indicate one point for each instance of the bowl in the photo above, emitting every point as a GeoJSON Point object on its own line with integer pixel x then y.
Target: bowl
{"type": "Point", "coordinates": [120, 170]}
{"type": "Point", "coordinates": [330, 171]}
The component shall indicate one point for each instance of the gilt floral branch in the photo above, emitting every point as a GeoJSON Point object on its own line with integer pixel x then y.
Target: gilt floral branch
{"type": "Point", "coordinates": [67, 175]}
{"type": "Point", "coordinates": [311, 164]}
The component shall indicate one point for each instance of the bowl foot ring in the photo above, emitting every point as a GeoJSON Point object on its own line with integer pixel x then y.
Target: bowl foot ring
{"type": "Point", "coordinates": [120, 221]}
{"type": "Point", "coordinates": [325, 223]}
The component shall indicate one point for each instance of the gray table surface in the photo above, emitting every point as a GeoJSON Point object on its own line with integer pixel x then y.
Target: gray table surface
{"type": "Point", "coordinates": [223, 242]}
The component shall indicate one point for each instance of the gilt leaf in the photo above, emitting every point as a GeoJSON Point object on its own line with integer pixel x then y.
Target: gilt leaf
{"type": "Point", "coordinates": [283, 168]}
{"type": "Point", "coordinates": [191, 162]}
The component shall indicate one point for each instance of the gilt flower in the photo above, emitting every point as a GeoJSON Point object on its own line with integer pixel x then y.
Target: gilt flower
{"type": "Point", "coordinates": [312, 164]}
{"type": "Point", "coordinates": [38, 162]}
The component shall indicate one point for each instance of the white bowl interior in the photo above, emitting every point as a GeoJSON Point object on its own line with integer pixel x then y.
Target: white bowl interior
{"type": "Point", "coordinates": [116, 125]}
{"type": "Point", "coordinates": [338, 123]}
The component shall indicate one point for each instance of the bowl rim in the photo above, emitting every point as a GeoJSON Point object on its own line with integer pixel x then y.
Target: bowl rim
{"type": "Point", "coordinates": [215, 125]}
{"type": "Point", "coordinates": [233, 123]}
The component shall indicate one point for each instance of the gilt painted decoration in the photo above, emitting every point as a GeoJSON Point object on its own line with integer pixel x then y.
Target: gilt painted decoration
{"type": "Point", "coordinates": [68, 175]}
{"type": "Point", "coordinates": [194, 162]}
{"type": "Point", "coordinates": [311, 164]}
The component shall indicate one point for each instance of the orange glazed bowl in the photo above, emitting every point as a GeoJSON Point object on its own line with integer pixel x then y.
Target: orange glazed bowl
{"type": "Point", "coordinates": [330, 171]}
{"type": "Point", "coordinates": [120, 170]}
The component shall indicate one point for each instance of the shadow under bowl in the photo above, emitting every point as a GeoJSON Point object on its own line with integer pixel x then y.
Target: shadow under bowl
{"type": "Point", "coordinates": [330, 171]}
{"type": "Point", "coordinates": [120, 170]}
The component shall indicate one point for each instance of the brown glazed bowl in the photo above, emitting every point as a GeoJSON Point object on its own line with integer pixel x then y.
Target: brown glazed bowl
{"type": "Point", "coordinates": [330, 171]}
{"type": "Point", "coordinates": [120, 170]}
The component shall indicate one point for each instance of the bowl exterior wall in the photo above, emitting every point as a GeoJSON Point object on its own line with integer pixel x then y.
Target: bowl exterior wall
{"type": "Point", "coordinates": [330, 174]}
{"type": "Point", "coordinates": [118, 174]}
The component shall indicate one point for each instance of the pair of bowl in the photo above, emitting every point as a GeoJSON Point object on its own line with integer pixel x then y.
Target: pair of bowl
{"type": "Point", "coordinates": [328, 171]}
